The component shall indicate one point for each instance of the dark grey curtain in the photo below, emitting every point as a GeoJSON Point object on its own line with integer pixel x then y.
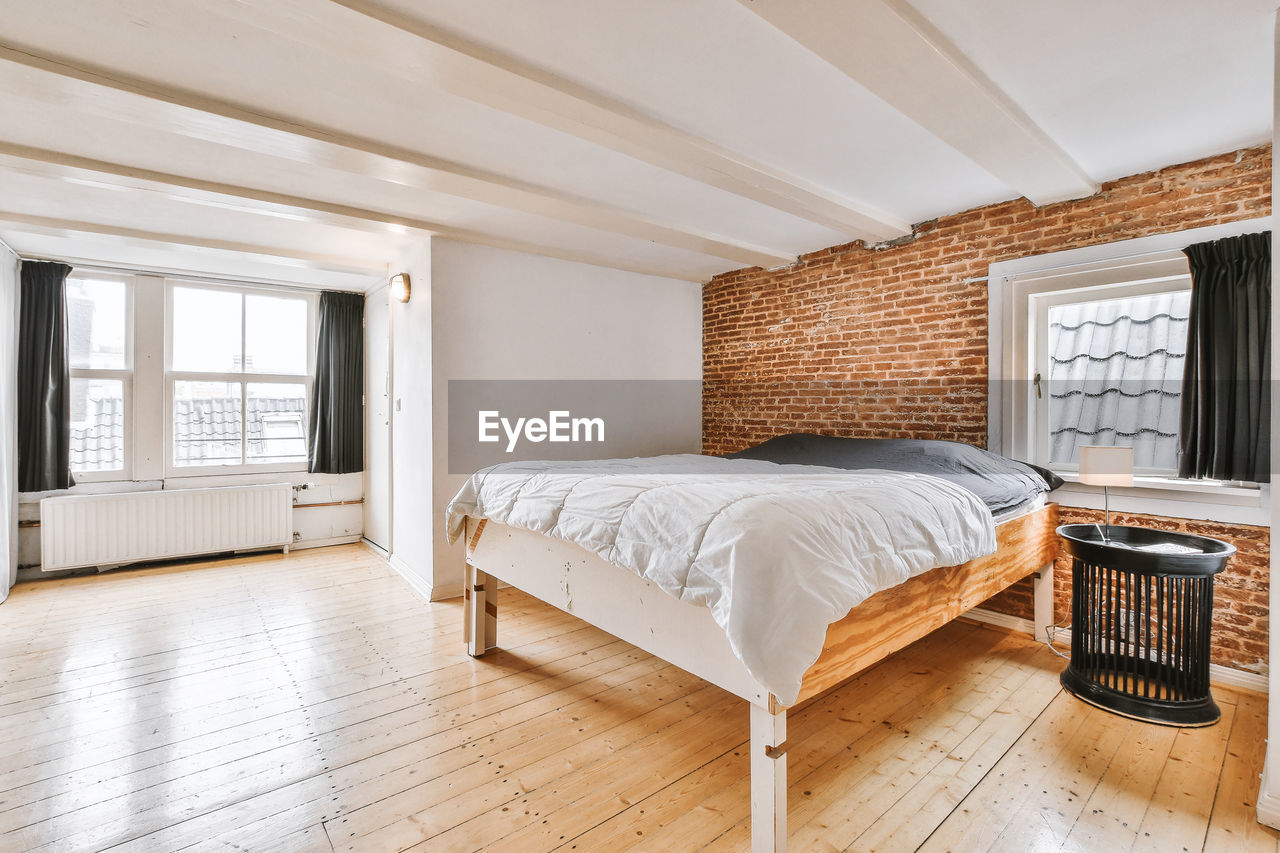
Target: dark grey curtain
{"type": "Point", "coordinates": [44, 379]}
{"type": "Point", "coordinates": [336, 439]}
{"type": "Point", "coordinates": [1226, 394]}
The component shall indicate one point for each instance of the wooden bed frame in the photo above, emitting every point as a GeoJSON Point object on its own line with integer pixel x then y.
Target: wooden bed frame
{"type": "Point", "coordinates": [636, 610]}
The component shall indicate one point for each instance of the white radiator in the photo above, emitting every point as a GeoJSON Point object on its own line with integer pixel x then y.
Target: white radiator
{"type": "Point", "coordinates": [111, 530]}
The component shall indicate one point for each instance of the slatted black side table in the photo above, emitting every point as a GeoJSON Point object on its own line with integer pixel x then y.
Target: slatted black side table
{"type": "Point", "coordinates": [1141, 613]}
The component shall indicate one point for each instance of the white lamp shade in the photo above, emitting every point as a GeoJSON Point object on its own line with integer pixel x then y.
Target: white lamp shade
{"type": "Point", "coordinates": [1106, 466]}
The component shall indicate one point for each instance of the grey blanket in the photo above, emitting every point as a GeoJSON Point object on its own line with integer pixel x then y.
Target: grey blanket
{"type": "Point", "coordinates": [1001, 483]}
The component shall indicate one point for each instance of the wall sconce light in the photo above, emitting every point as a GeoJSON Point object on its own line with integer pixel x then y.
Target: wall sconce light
{"type": "Point", "coordinates": [400, 287]}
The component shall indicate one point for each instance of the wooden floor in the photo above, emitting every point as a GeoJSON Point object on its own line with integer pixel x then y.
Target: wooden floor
{"type": "Point", "coordinates": [316, 703]}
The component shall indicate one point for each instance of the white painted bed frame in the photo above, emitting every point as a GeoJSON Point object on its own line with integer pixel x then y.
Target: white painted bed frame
{"type": "Point", "coordinates": [637, 611]}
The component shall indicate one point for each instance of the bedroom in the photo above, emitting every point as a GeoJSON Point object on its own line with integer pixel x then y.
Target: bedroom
{"type": "Point", "coordinates": [706, 225]}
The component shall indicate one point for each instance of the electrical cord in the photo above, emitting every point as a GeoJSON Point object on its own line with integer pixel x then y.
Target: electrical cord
{"type": "Point", "coordinates": [1051, 633]}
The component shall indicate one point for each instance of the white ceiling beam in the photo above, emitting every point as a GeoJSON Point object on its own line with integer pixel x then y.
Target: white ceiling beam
{"type": "Point", "coordinates": [149, 180]}
{"type": "Point", "coordinates": [323, 212]}
{"type": "Point", "coordinates": [429, 173]}
{"type": "Point", "coordinates": [498, 81]}
{"type": "Point", "coordinates": [894, 52]}
{"type": "Point", "coordinates": [329, 213]}
{"type": "Point", "coordinates": [56, 226]}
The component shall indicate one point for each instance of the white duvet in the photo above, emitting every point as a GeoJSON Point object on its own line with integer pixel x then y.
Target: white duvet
{"type": "Point", "coordinates": [777, 552]}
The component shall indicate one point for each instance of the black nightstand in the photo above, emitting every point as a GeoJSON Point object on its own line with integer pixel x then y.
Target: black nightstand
{"type": "Point", "coordinates": [1141, 614]}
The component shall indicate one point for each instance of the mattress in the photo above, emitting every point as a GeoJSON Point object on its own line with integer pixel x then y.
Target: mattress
{"type": "Point", "coordinates": [776, 552]}
{"type": "Point", "coordinates": [1025, 508]}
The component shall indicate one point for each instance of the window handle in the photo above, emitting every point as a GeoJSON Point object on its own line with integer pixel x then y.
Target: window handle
{"type": "Point", "coordinates": [1036, 381]}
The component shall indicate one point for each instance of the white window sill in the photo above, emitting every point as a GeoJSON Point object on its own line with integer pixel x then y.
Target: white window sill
{"type": "Point", "coordinates": [1228, 504]}
{"type": "Point", "coordinates": [211, 479]}
{"type": "Point", "coordinates": [195, 472]}
{"type": "Point", "coordinates": [1167, 487]}
{"type": "Point", "coordinates": [92, 487]}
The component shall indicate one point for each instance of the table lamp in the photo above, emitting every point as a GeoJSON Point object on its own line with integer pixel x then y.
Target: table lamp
{"type": "Point", "coordinates": [1106, 467]}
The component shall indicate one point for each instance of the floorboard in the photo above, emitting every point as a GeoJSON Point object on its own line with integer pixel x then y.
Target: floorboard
{"type": "Point", "coordinates": [314, 703]}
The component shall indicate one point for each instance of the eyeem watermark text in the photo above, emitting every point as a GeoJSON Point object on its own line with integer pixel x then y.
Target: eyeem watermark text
{"type": "Point", "coordinates": [559, 426]}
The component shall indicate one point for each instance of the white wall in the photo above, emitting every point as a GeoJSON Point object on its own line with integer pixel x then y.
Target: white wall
{"type": "Point", "coordinates": [496, 314]}
{"type": "Point", "coordinates": [377, 418]}
{"type": "Point", "coordinates": [411, 424]}
{"type": "Point", "coordinates": [8, 420]}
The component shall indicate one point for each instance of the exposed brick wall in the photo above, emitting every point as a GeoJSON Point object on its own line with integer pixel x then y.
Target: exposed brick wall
{"type": "Point", "coordinates": [860, 341]}
{"type": "Point", "coordinates": [892, 341]}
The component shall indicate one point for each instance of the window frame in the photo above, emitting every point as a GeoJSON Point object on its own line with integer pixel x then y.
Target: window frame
{"type": "Point", "coordinates": [124, 375]}
{"type": "Point", "coordinates": [1009, 285]}
{"type": "Point", "coordinates": [243, 378]}
{"type": "Point", "coordinates": [1039, 415]}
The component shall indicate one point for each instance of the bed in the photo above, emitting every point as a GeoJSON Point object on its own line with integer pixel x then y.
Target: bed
{"type": "Point", "coordinates": [541, 527]}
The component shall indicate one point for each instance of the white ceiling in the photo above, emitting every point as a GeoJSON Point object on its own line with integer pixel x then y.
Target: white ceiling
{"type": "Point", "coordinates": [312, 141]}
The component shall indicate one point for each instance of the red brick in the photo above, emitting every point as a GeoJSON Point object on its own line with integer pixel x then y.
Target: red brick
{"type": "Point", "coordinates": [878, 321]}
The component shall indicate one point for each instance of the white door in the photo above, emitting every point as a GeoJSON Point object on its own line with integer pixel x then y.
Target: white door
{"type": "Point", "coordinates": [377, 413]}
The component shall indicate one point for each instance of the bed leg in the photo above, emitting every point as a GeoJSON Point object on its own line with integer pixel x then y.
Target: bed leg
{"type": "Point", "coordinates": [480, 619]}
{"type": "Point", "coordinates": [1042, 586]}
{"type": "Point", "coordinates": [768, 780]}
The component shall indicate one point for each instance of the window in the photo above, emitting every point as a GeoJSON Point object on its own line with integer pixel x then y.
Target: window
{"type": "Point", "coordinates": [1109, 361]}
{"type": "Point", "coordinates": [1103, 329]}
{"type": "Point", "coordinates": [1088, 346]}
{"type": "Point", "coordinates": [173, 378]}
{"type": "Point", "coordinates": [239, 378]}
{"type": "Point", "coordinates": [99, 335]}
